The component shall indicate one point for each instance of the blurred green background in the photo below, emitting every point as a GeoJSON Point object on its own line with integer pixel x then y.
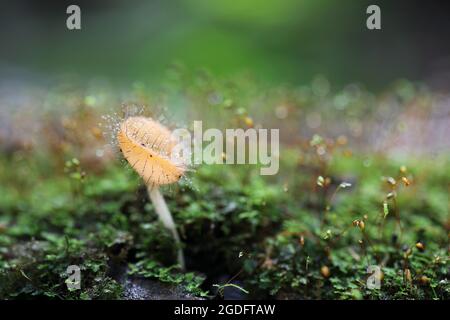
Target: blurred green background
{"type": "Point", "coordinates": [286, 41]}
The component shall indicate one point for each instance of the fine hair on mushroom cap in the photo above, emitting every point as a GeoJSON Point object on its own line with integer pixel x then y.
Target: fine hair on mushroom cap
{"type": "Point", "coordinates": [147, 145]}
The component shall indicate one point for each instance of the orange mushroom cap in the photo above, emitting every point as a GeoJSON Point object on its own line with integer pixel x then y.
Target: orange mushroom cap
{"type": "Point", "coordinates": [148, 147]}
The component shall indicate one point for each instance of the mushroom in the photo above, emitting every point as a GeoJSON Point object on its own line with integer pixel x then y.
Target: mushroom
{"type": "Point", "coordinates": [148, 147]}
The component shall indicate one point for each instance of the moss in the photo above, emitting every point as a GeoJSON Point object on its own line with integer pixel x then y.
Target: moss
{"type": "Point", "coordinates": [282, 236]}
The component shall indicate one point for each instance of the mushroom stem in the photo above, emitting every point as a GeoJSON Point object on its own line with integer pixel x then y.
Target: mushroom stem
{"type": "Point", "coordinates": [166, 218]}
